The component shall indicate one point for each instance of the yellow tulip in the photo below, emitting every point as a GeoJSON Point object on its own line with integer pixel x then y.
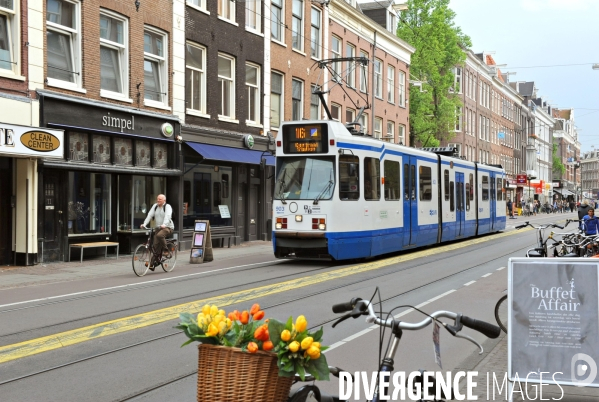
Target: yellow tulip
{"type": "Point", "coordinates": [313, 352]}
{"type": "Point", "coordinates": [213, 310]}
{"type": "Point", "coordinates": [229, 323]}
{"type": "Point", "coordinates": [294, 346]}
{"type": "Point", "coordinates": [202, 324]}
{"type": "Point", "coordinates": [222, 312]}
{"type": "Point", "coordinates": [218, 318]}
{"type": "Point", "coordinates": [316, 344]}
{"type": "Point", "coordinates": [222, 328]}
{"type": "Point", "coordinates": [301, 324]}
{"type": "Point", "coordinates": [212, 330]}
{"type": "Point", "coordinates": [206, 309]}
{"type": "Point", "coordinates": [307, 342]}
{"type": "Point", "coordinates": [285, 335]}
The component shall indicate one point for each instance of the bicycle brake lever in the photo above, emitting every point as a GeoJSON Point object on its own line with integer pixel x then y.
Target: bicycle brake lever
{"type": "Point", "coordinates": [471, 340]}
{"type": "Point", "coordinates": [339, 321]}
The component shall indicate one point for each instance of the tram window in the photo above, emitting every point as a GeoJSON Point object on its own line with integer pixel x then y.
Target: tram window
{"type": "Point", "coordinates": [499, 190]}
{"type": "Point", "coordinates": [471, 192]}
{"type": "Point", "coordinates": [446, 184]}
{"type": "Point", "coordinates": [485, 188]}
{"type": "Point", "coordinates": [468, 188]}
{"type": "Point", "coordinates": [426, 190]}
{"type": "Point", "coordinates": [406, 182]}
{"type": "Point", "coordinates": [349, 173]}
{"type": "Point", "coordinates": [451, 197]}
{"type": "Point", "coordinates": [372, 179]}
{"type": "Point", "coordinates": [391, 181]}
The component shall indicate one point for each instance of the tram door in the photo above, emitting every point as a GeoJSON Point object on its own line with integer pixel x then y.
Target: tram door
{"type": "Point", "coordinates": [493, 206]}
{"type": "Point", "coordinates": [410, 201]}
{"type": "Point", "coordinates": [460, 205]}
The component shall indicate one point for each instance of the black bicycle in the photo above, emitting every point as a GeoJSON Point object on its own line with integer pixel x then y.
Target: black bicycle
{"type": "Point", "coordinates": [145, 257]}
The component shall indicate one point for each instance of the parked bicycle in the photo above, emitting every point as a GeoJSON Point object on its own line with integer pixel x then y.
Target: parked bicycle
{"type": "Point", "coordinates": [541, 249]}
{"type": "Point", "coordinates": [145, 257]}
{"type": "Point", "coordinates": [357, 307]}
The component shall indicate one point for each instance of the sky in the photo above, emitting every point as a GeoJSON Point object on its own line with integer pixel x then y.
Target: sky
{"type": "Point", "coordinates": [551, 42]}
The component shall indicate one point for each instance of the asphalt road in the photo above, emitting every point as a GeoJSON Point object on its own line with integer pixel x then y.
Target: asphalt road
{"type": "Point", "coordinates": [111, 338]}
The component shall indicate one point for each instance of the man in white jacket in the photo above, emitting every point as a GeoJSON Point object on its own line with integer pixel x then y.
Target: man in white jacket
{"type": "Point", "coordinates": [162, 214]}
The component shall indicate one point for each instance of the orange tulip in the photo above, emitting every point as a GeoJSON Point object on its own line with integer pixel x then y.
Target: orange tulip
{"type": "Point", "coordinates": [267, 346]}
{"type": "Point", "coordinates": [245, 317]}
{"type": "Point", "coordinates": [259, 315]}
{"type": "Point", "coordinates": [252, 347]}
{"type": "Point", "coordinates": [261, 333]}
{"type": "Point", "coordinates": [255, 308]}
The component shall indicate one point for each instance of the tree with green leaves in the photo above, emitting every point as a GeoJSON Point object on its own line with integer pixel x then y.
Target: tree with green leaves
{"type": "Point", "coordinates": [440, 47]}
{"type": "Point", "coordinates": [558, 167]}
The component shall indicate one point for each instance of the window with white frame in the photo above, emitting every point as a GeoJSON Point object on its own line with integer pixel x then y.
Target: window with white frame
{"type": "Point", "coordinates": [113, 53]}
{"type": "Point", "coordinates": [392, 22]}
{"type": "Point", "coordinates": [226, 9]}
{"type": "Point", "coordinates": [350, 115]}
{"type": "Point", "coordinates": [378, 78]}
{"type": "Point", "coordinates": [314, 104]}
{"type": "Point", "coordinates": [198, 3]}
{"type": "Point", "coordinates": [363, 72]}
{"type": "Point", "coordinates": [457, 80]}
{"type": "Point", "coordinates": [335, 111]}
{"type": "Point", "coordinates": [155, 74]}
{"type": "Point", "coordinates": [391, 84]}
{"type": "Point", "coordinates": [378, 127]}
{"type": "Point", "coordinates": [363, 120]}
{"type": "Point", "coordinates": [252, 84]}
{"type": "Point", "coordinates": [458, 118]}
{"type": "Point", "coordinates": [335, 54]}
{"type": "Point", "coordinates": [276, 99]}
{"type": "Point", "coordinates": [297, 24]}
{"type": "Point", "coordinates": [315, 33]}
{"type": "Point", "coordinates": [390, 131]}
{"type": "Point", "coordinates": [253, 15]}
{"type": "Point", "coordinates": [297, 94]}
{"type": "Point", "coordinates": [402, 88]}
{"type": "Point", "coordinates": [195, 77]}
{"type": "Point", "coordinates": [9, 37]}
{"type": "Point", "coordinates": [226, 85]}
{"type": "Point", "coordinates": [277, 20]}
{"type": "Point", "coordinates": [350, 51]}
{"type": "Point", "coordinates": [63, 25]}
{"type": "Point", "coordinates": [401, 134]}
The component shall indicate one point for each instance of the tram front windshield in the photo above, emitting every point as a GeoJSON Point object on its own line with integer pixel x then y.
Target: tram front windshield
{"type": "Point", "coordinates": [305, 178]}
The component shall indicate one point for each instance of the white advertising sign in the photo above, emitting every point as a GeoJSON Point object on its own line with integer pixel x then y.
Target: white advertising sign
{"type": "Point", "coordinates": [31, 141]}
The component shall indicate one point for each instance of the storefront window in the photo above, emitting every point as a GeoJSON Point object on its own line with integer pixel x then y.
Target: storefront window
{"type": "Point", "coordinates": [160, 156]}
{"type": "Point", "coordinates": [206, 195]}
{"type": "Point", "coordinates": [101, 146]}
{"type": "Point", "coordinates": [136, 195]}
{"type": "Point", "coordinates": [88, 203]}
{"type": "Point", "coordinates": [123, 150]}
{"type": "Point", "coordinates": [78, 146]}
{"type": "Point", "coordinates": [142, 151]}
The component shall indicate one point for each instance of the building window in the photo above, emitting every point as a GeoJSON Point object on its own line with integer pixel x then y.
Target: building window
{"type": "Point", "coordinates": [335, 54]}
{"type": "Point", "coordinates": [198, 3]}
{"type": "Point", "coordinates": [378, 78]}
{"type": "Point", "coordinates": [392, 22]}
{"type": "Point", "coordinates": [391, 84]}
{"type": "Point", "coordinates": [253, 15]}
{"type": "Point", "coordinates": [363, 120]}
{"type": "Point", "coordinates": [378, 127]}
{"type": "Point", "coordinates": [252, 83]}
{"type": "Point", "coordinates": [155, 79]}
{"type": "Point", "coordinates": [402, 88]}
{"type": "Point", "coordinates": [390, 131]}
{"type": "Point", "coordinates": [401, 134]}
{"type": "Point", "coordinates": [297, 92]}
{"type": "Point", "coordinates": [226, 85]}
{"type": "Point", "coordinates": [314, 104]}
{"type": "Point", "coordinates": [335, 111]}
{"type": "Point", "coordinates": [457, 82]}
{"type": "Point", "coordinates": [63, 42]}
{"type": "Point", "coordinates": [458, 118]}
{"type": "Point", "coordinates": [113, 54]}
{"type": "Point", "coordinates": [363, 72]}
{"type": "Point", "coordinates": [297, 26]}
{"type": "Point", "coordinates": [278, 20]}
{"type": "Point", "coordinates": [350, 51]}
{"type": "Point", "coordinates": [350, 115]}
{"type": "Point", "coordinates": [195, 77]}
{"type": "Point", "coordinates": [89, 203]}
{"type": "Point", "coordinates": [315, 33]}
{"type": "Point", "coordinates": [276, 98]}
{"type": "Point", "coordinates": [9, 37]}
{"type": "Point", "coordinates": [226, 9]}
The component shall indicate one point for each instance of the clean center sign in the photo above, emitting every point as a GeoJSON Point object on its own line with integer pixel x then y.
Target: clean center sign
{"type": "Point", "coordinates": [31, 141]}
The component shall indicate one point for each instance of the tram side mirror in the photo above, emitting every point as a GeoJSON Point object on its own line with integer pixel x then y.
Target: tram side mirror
{"type": "Point", "coordinates": [352, 170]}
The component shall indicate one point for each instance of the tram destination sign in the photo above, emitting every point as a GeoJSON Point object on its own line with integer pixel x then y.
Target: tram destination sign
{"type": "Point", "coordinates": [305, 138]}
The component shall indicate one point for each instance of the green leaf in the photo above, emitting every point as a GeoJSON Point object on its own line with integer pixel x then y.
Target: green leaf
{"type": "Point", "coordinates": [320, 367]}
{"type": "Point", "coordinates": [301, 372]}
{"type": "Point", "coordinates": [289, 324]}
{"type": "Point", "coordinates": [274, 329]}
{"type": "Point", "coordinates": [318, 335]}
{"type": "Point", "coordinates": [188, 342]}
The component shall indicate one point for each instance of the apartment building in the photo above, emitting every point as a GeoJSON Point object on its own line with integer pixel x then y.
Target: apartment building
{"type": "Point", "coordinates": [589, 174]}
{"type": "Point", "coordinates": [565, 137]}
{"type": "Point", "coordinates": [109, 83]}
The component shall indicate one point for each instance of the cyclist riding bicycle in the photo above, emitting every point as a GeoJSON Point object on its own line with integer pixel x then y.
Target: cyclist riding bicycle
{"type": "Point", "coordinates": [162, 213]}
{"type": "Point", "coordinates": [590, 222]}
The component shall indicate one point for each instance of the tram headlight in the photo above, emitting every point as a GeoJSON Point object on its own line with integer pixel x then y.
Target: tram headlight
{"type": "Point", "coordinates": [298, 218]}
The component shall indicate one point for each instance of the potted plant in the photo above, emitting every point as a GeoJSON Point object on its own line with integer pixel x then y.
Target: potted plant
{"type": "Point", "coordinates": [244, 357]}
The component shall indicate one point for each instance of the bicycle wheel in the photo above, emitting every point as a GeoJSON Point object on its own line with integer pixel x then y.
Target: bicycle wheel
{"type": "Point", "coordinates": [141, 260]}
{"type": "Point", "coordinates": [501, 312]}
{"type": "Point", "coordinates": [169, 263]}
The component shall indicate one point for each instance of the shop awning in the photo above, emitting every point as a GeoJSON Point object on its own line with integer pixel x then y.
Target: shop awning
{"type": "Point", "coordinates": [228, 154]}
{"type": "Point", "coordinates": [563, 191]}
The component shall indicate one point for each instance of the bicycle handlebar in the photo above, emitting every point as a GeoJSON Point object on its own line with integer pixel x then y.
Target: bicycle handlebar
{"type": "Point", "coordinates": [489, 330]}
{"type": "Point", "coordinates": [550, 225]}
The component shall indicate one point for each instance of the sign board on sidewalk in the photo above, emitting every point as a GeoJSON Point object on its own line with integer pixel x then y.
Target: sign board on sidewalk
{"type": "Point", "coordinates": [201, 237]}
{"type": "Point", "coordinates": [553, 321]}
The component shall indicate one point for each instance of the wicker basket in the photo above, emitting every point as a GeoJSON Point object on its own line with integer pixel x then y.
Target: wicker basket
{"type": "Point", "coordinates": [229, 375]}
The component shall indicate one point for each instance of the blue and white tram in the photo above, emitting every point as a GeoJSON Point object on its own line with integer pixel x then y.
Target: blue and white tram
{"type": "Point", "coordinates": [342, 196]}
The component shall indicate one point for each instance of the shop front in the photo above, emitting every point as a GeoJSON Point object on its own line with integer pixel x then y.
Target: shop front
{"type": "Point", "coordinates": [229, 183]}
{"type": "Point", "coordinates": [115, 162]}
{"type": "Point", "coordinates": [20, 149]}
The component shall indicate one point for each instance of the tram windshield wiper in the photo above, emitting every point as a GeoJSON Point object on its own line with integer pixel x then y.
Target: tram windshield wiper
{"type": "Point", "coordinates": [324, 190]}
{"type": "Point", "coordinates": [282, 186]}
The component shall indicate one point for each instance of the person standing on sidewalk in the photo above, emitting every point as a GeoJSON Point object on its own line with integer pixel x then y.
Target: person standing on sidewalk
{"type": "Point", "coordinates": [162, 214]}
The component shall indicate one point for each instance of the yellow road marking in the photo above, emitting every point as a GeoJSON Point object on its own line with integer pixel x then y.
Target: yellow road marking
{"type": "Point", "coordinates": [75, 336]}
